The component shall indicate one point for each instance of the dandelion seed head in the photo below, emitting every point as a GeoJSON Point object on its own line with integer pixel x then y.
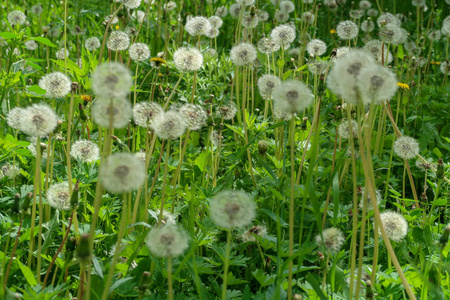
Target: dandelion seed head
{"type": "Point", "coordinates": [14, 118]}
{"type": "Point", "coordinates": [169, 125]}
{"type": "Point", "coordinates": [372, 12]}
{"type": "Point", "coordinates": [121, 173]}
{"type": "Point", "coordinates": [213, 33]}
{"type": "Point", "coordinates": [221, 12]}
{"type": "Point", "coordinates": [138, 15]}
{"type": "Point", "coordinates": [316, 47]}
{"type": "Point", "coordinates": [283, 35]}
{"type": "Point", "coordinates": [406, 147]}
{"type": "Point", "coordinates": [331, 239]}
{"type": "Point", "coordinates": [114, 110]}
{"type": "Point", "coordinates": [418, 3]}
{"type": "Point", "coordinates": [215, 21]}
{"type": "Point", "coordinates": [171, 5]}
{"type": "Point", "coordinates": [342, 79]}
{"type": "Point", "coordinates": [365, 5]}
{"type": "Point", "coordinates": [292, 96]}
{"type": "Point", "coordinates": [118, 41]}
{"type": "Point", "coordinates": [245, 2]}
{"type": "Point", "coordinates": [215, 138]}
{"type": "Point", "coordinates": [145, 112]}
{"type": "Point", "coordinates": [282, 115]}
{"type": "Point", "coordinates": [318, 68]}
{"type": "Point", "coordinates": [379, 51]}
{"type": "Point", "coordinates": [388, 19]}
{"type": "Point", "coordinates": [112, 19]}
{"type": "Point", "coordinates": [58, 196]}
{"type": "Point", "coordinates": [250, 234]}
{"type": "Point", "coordinates": [10, 170]}
{"type": "Point", "coordinates": [395, 225]}
{"type": "Point", "coordinates": [38, 120]}
{"type": "Point", "coordinates": [61, 54]}
{"type": "Point", "coordinates": [262, 15]}
{"type": "Point", "coordinates": [232, 209]}
{"type": "Point", "coordinates": [369, 199]}
{"type": "Point", "coordinates": [227, 112]}
{"type": "Point", "coordinates": [139, 52]}
{"type": "Point", "coordinates": [85, 151]}
{"type": "Point", "coordinates": [249, 21]}
{"type": "Point", "coordinates": [377, 83]}
{"type": "Point", "coordinates": [308, 17]}
{"type": "Point", "coordinates": [267, 46]}
{"type": "Point", "coordinates": [37, 9]}
{"type": "Point", "coordinates": [194, 116]}
{"type": "Point", "coordinates": [347, 30]}
{"type": "Point", "coordinates": [131, 4]}
{"type": "Point", "coordinates": [56, 85]}
{"type": "Point", "coordinates": [344, 129]}
{"type": "Point", "coordinates": [287, 6]}
{"type": "Point", "coordinates": [235, 10]}
{"type": "Point", "coordinates": [391, 34]}
{"type": "Point", "coordinates": [266, 85]}
{"type": "Point", "coordinates": [167, 241]}
{"type": "Point", "coordinates": [31, 45]}
{"type": "Point", "coordinates": [92, 44]}
{"type": "Point", "coordinates": [367, 26]}
{"type": "Point", "coordinates": [281, 16]}
{"type": "Point", "coordinates": [445, 67]}
{"type": "Point", "coordinates": [294, 52]}
{"type": "Point", "coordinates": [435, 35]}
{"type": "Point", "coordinates": [16, 17]}
{"type": "Point", "coordinates": [243, 54]}
{"type": "Point", "coordinates": [111, 80]}
{"type": "Point", "coordinates": [356, 13]}
{"type": "Point", "coordinates": [198, 26]}
{"type": "Point", "coordinates": [188, 59]}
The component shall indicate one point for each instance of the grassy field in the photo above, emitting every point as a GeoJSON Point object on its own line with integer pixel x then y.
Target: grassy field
{"type": "Point", "coordinates": [213, 149]}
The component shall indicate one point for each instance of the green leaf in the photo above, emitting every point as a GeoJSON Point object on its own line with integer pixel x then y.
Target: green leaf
{"type": "Point", "coordinates": [274, 217]}
{"type": "Point", "coordinates": [27, 273]}
{"type": "Point", "coordinates": [36, 89]}
{"type": "Point", "coordinates": [313, 281]}
{"type": "Point", "coordinates": [43, 40]}
{"type": "Point", "coordinates": [201, 160]}
{"type": "Point", "coordinates": [437, 152]}
{"type": "Point", "coordinates": [439, 202]}
{"type": "Point", "coordinates": [97, 267]}
{"type": "Point", "coordinates": [8, 35]}
{"type": "Point", "coordinates": [118, 283]}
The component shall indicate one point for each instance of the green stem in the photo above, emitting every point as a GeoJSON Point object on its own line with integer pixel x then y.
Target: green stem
{"type": "Point", "coordinates": [226, 263]}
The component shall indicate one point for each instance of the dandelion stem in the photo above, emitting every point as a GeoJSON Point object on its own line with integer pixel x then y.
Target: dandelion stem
{"type": "Point", "coordinates": [226, 263]}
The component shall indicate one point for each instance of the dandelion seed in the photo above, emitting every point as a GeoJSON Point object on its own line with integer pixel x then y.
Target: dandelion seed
{"type": "Point", "coordinates": [215, 21]}
{"type": "Point", "coordinates": [316, 47]}
{"type": "Point", "coordinates": [262, 15]}
{"type": "Point", "coordinates": [287, 6]}
{"type": "Point", "coordinates": [232, 209]}
{"type": "Point", "coordinates": [85, 151]}
{"type": "Point", "coordinates": [395, 225]}
{"type": "Point", "coordinates": [31, 45]}
{"type": "Point", "coordinates": [292, 96]}
{"type": "Point", "coordinates": [131, 4]}
{"type": "Point", "coordinates": [347, 30]}
{"type": "Point", "coordinates": [318, 68]}
{"type": "Point", "coordinates": [227, 112]}
{"type": "Point", "coordinates": [331, 240]}
{"type": "Point", "coordinates": [188, 59]}
{"type": "Point", "coordinates": [243, 54]}
{"type": "Point", "coordinates": [388, 19]}
{"type": "Point", "coordinates": [114, 110]}
{"type": "Point", "coordinates": [56, 84]}
{"type": "Point", "coordinates": [221, 12]}
{"type": "Point", "coordinates": [58, 196]}
{"type": "Point", "coordinates": [111, 80]}
{"type": "Point", "coordinates": [169, 125]}
{"type": "Point", "coordinates": [138, 15]}
{"type": "Point", "coordinates": [118, 41]}
{"type": "Point", "coordinates": [369, 199]}
{"type": "Point", "coordinates": [267, 46]}
{"type": "Point", "coordinates": [121, 173]}
{"type": "Point", "coordinates": [198, 26]}
{"type": "Point", "coordinates": [308, 17]}
{"type": "Point", "coordinates": [194, 116]}
{"type": "Point", "coordinates": [167, 241]}
{"type": "Point", "coordinates": [251, 234]}
{"type": "Point", "coordinates": [38, 120]}
{"type": "Point", "coordinates": [343, 77]}
{"type": "Point", "coordinates": [377, 83]}
{"type": "Point", "coordinates": [367, 26]}
{"type": "Point", "coordinates": [92, 44]}
{"type": "Point", "coordinates": [145, 112]}
{"type": "Point", "coordinates": [365, 5]}
{"type": "Point", "coordinates": [266, 85]}
{"type": "Point", "coordinates": [406, 147]}
{"type": "Point", "coordinates": [139, 52]}
{"type": "Point", "coordinates": [14, 118]}
{"type": "Point", "coordinates": [37, 9]}
{"type": "Point", "coordinates": [283, 35]}
{"type": "Point", "coordinates": [16, 17]}
{"type": "Point", "coordinates": [344, 129]}
{"type": "Point", "coordinates": [10, 170]}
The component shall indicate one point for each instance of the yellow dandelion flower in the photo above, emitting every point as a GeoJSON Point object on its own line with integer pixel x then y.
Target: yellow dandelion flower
{"type": "Point", "coordinates": [158, 60]}
{"type": "Point", "coordinates": [333, 31]}
{"type": "Point", "coordinates": [117, 27]}
{"type": "Point", "coordinates": [403, 85]}
{"type": "Point", "coordinates": [86, 98]}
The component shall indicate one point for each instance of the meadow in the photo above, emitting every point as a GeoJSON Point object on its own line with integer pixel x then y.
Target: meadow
{"type": "Point", "coordinates": [211, 149]}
